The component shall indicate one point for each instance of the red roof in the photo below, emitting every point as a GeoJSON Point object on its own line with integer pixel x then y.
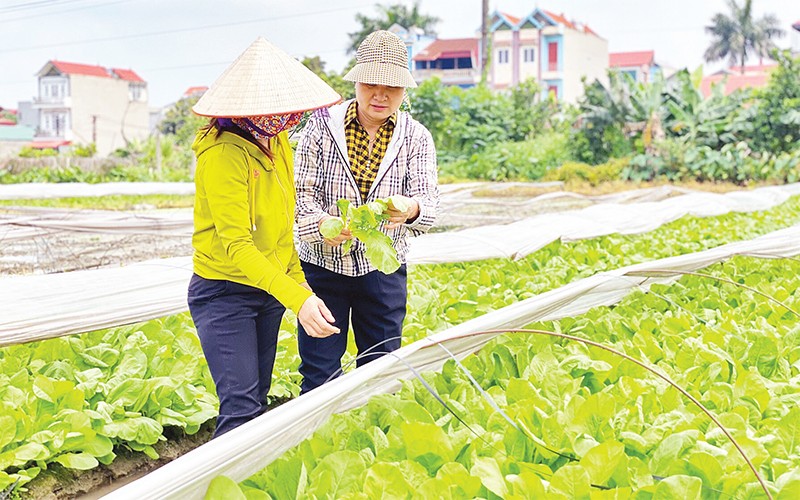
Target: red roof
{"type": "Point", "coordinates": [513, 20]}
{"type": "Point", "coordinates": [733, 82]}
{"type": "Point", "coordinates": [127, 75]}
{"type": "Point", "coordinates": [80, 69]}
{"type": "Point", "coordinates": [195, 90]}
{"type": "Point", "coordinates": [55, 144]}
{"type": "Point", "coordinates": [68, 68]}
{"type": "Point", "coordinates": [755, 68]}
{"type": "Point", "coordinates": [560, 19]}
{"type": "Point", "coordinates": [447, 48]}
{"type": "Point", "coordinates": [628, 59]}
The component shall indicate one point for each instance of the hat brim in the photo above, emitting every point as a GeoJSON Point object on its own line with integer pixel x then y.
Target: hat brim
{"type": "Point", "coordinates": [265, 80]}
{"type": "Point", "coordinates": [377, 73]}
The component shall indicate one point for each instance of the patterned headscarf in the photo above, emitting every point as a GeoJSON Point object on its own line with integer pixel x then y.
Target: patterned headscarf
{"type": "Point", "coordinates": [267, 126]}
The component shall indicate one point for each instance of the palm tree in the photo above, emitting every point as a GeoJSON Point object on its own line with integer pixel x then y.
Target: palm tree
{"type": "Point", "coordinates": [389, 15]}
{"type": "Point", "coordinates": [739, 35]}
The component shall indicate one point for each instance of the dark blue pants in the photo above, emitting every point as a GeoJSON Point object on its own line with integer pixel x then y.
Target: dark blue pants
{"type": "Point", "coordinates": [238, 328]}
{"type": "Point", "coordinates": [375, 304]}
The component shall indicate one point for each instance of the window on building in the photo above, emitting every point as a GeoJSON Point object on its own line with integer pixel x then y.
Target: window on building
{"type": "Point", "coordinates": [447, 63]}
{"type": "Point", "coordinates": [552, 90]}
{"type": "Point", "coordinates": [136, 92]}
{"type": "Point", "coordinates": [552, 56]}
{"type": "Point", "coordinates": [528, 54]}
{"type": "Point", "coordinates": [464, 62]}
{"type": "Point", "coordinates": [422, 65]}
{"type": "Point", "coordinates": [502, 56]}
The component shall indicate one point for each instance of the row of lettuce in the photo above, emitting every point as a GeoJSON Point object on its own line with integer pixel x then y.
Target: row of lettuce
{"type": "Point", "coordinates": [536, 417]}
{"type": "Point", "coordinates": [78, 400]}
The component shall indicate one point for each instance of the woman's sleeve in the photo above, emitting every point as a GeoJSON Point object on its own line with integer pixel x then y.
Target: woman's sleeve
{"type": "Point", "coordinates": [226, 177]}
{"type": "Point", "coordinates": [307, 179]}
{"type": "Point", "coordinates": [423, 181]}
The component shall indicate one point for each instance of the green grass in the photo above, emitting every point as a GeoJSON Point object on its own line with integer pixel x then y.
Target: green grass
{"type": "Point", "coordinates": [115, 202]}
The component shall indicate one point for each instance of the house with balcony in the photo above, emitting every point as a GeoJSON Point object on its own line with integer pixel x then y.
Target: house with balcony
{"type": "Point", "coordinates": [547, 47]}
{"type": "Point", "coordinates": [640, 65]}
{"type": "Point", "coordinates": [415, 39]}
{"type": "Point", "coordinates": [454, 61]}
{"type": "Point", "coordinates": [85, 104]}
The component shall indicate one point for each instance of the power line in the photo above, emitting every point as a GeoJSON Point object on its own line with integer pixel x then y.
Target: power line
{"type": "Point", "coordinates": [36, 5]}
{"type": "Point", "coordinates": [173, 31]}
{"type": "Point", "coordinates": [45, 14]}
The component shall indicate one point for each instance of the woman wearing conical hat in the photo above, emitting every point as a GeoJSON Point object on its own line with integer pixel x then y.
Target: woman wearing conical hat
{"type": "Point", "coordinates": [246, 268]}
{"type": "Point", "coordinates": [363, 150]}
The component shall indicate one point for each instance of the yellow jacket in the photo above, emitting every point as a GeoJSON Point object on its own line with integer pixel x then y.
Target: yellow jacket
{"type": "Point", "coordinates": [244, 216]}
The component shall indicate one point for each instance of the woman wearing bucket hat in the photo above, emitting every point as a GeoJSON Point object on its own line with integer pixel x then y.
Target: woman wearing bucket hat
{"type": "Point", "coordinates": [246, 269]}
{"type": "Point", "coordinates": [362, 150]}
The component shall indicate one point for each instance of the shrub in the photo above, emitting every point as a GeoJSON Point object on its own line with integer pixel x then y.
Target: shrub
{"type": "Point", "coordinates": [573, 171]}
{"type": "Point", "coordinates": [504, 161]}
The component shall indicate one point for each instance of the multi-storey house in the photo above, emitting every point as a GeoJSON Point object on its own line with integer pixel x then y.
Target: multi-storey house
{"type": "Point", "coordinates": [640, 65]}
{"type": "Point", "coordinates": [85, 104]}
{"type": "Point", "coordinates": [455, 61]}
{"type": "Point", "coordinates": [547, 47]}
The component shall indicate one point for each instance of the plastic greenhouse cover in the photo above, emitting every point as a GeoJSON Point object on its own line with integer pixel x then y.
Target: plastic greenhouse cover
{"type": "Point", "coordinates": [252, 446]}
{"type": "Point", "coordinates": [36, 190]}
{"type": "Point", "coordinates": [28, 222]}
{"type": "Point", "coordinates": [82, 301]}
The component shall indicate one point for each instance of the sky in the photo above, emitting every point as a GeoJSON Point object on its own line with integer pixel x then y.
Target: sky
{"type": "Point", "coordinates": [177, 44]}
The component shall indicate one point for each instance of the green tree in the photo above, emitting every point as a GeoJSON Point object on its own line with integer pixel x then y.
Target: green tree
{"type": "Point", "coordinates": [739, 35]}
{"type": "Point", "coordinates": [181, 121]}
{"type": "Point", "coordinates": [776, 113]}
{"type": "Point", "coordinates": [335, 80]}
{"type": "Point", "coordinates": [387, 16]}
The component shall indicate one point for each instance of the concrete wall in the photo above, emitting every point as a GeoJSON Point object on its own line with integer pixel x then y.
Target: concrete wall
{"type": "Point", "coordinates": [586, 56]}
{"type": "Point", "coordinates": [102, 108]}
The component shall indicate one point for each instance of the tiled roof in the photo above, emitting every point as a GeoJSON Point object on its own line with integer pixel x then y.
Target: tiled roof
{"type": "Point", "coordinates": [195, 90]}
{"type": "Point", "coordinates": [755, 68]}
{"type": "Point", "coordinates": [561, 19]}
{"type": "Point", "coordinates": [513, 20]}
{"type": "Point", "coordinates": [733, 82]}
{"type": "Point", "coordinates": [80, 69]}
{"type": "Point", "coordinates": [453, 47]}
{"type": "Point", "coordinates": [627, 59]}
{"type": "Point", "coordinates": [54, 144]}
{"type": "Point", "coordinates": [127, 75]}
{"type": "Point", "coordinates": [68, 68]}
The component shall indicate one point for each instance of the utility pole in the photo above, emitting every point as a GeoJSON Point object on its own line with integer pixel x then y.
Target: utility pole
{"type": "Point", "coordinates": [484, 39]}
{"type": "Point", "coordinates": [158, 153]}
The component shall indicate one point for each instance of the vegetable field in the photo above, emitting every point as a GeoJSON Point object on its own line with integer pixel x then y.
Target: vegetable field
{"type": "Point", "coordinates": [529, 415]}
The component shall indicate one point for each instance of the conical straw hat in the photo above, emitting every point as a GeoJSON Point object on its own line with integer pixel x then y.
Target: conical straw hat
{"type": "Point", "coordinates": [265, 80]}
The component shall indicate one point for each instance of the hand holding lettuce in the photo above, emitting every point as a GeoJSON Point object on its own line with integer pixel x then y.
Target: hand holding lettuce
{"type": "Point", "coordinates": [364, 223]}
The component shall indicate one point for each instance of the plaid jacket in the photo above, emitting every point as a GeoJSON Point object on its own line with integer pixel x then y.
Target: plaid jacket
{"type": "Point", "coordinates": [323, 176]}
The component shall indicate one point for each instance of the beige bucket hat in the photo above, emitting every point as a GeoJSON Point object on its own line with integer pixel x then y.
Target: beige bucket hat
{"type": "Point", "coordinates": [382, 59]}
{"type": "Point", "coordinates": [265, 80]}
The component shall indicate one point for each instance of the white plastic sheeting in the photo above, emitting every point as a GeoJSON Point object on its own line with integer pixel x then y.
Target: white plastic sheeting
{"type": "Point", "coordinates": [249, 448]}
{"type": "Point", "coordinates": [28, 222]}
{"type": "Point", "coordinates": [83, 301]}
{"type": "Point", "coordinates": [37, 190]}
{"type": "Point", "coordinates": [518, 239]}
{"type": "Point", "coordinates": [37, 307]}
